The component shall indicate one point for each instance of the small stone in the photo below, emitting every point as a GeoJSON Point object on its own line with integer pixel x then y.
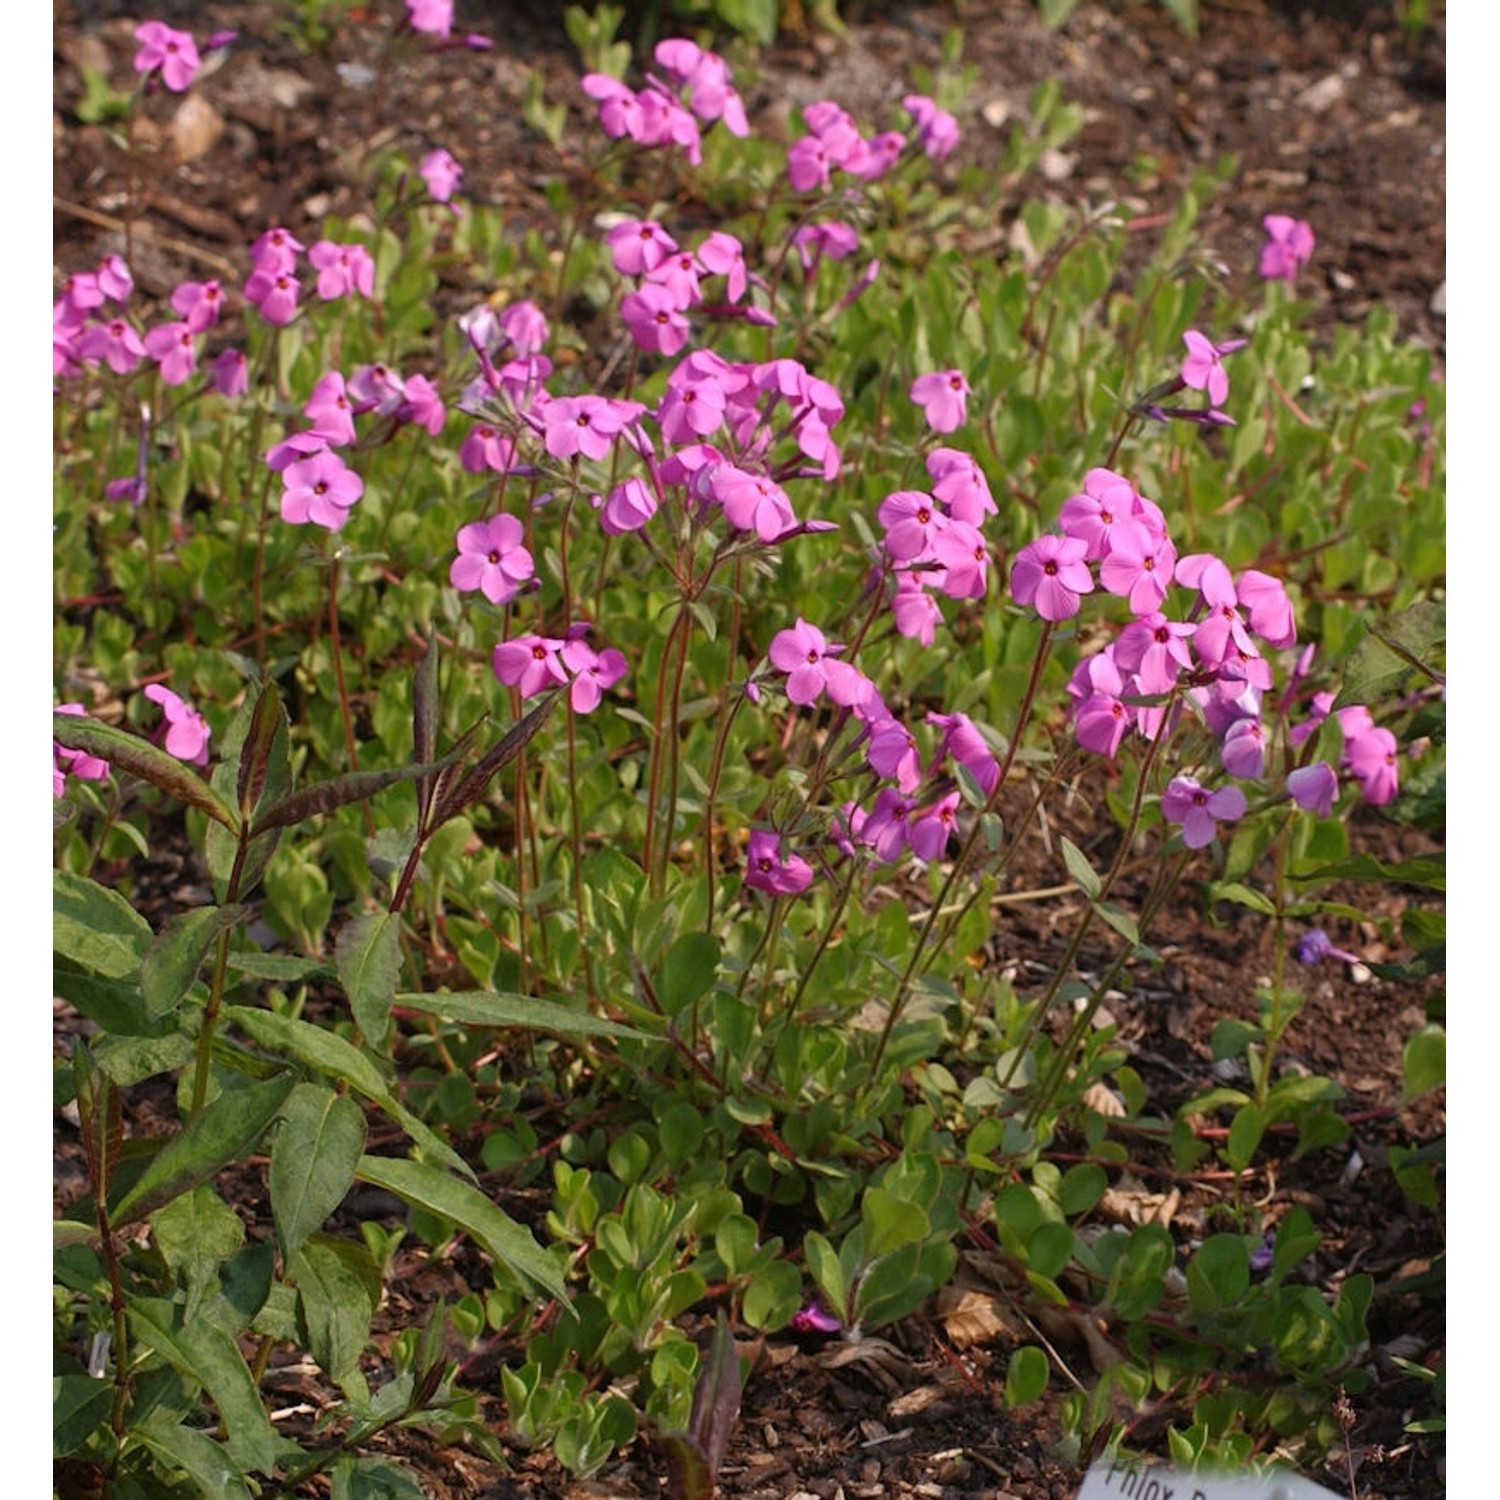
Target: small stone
{"type": "Point", "coordinates": [1323, 95]}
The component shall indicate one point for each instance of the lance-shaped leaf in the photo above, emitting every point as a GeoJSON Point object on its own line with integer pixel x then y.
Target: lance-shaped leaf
{"type": "Point", "coordinates": [318, 1144]}
{"type": "Point", "coordinates": [97, 928]}
{"type": "Point", "coordinates": [99, 1119]}
{"type": "Point", "coordinates": [327, 1053]}
{"type": "Point", "coordinates": [337, 791]}
{"type": "Point", "coordinates": [128, 752]}
{"type": "Point", "coordinates": [493, 1008]}
{"type": "Point", "coordinates": [267, 724]}
{"type": "Point", "coordinates": [515, 739]}
{"type": "Point", "coordinates": [206, 1463]}
{"type": "Point", "coordinates": [177, 952]}
{"type": "Point", "coordinates": [368, 954]}
{"type": "Point", "coordinates": [229, 1128]}
{"type": "Point", "coordinates": [440, 1193]}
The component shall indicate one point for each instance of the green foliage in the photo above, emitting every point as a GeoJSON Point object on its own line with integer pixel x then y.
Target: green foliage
{"type": "Point", "coordinates": [446, 928]}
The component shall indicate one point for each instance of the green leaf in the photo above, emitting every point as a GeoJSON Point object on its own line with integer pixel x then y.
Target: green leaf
{"type": "Point", "coordinates": [1424, 1061]}
{"type": "Point", "coordinates": [890, 1222]}
{"type": "Point", "coordinates": [826, 1270]}
{"type": "Point", "coordinates": [470, 789]}
{"type": "Point", "coordinates": [172, 962]}
{"type": "Point", "coordinates": [336, 1058]}
{"type": "Point", "coordinates": [424, 722]}
{"type": "Point", "coordinates": [1243, 895]}
{"type": "Point", "coordinates": [96, 928]}
{"type": "Point", "coordinates": [195, 1234]}
{"type": "Point", "coordinates": [1082, 1186]}
{"type": "Point", "coordinates": [1026, 1375]}
{"type": "Point", "coordinates": [265, 737]}
{"type": "Point", "coordinates": [1081, 870]}
{"type": "Point", "coordinates": [1429, 871]}
{"type": "Point", "coordinates": [368, 955]}
{"type": "Point", "coordinates": [317, 1147]}
{"type": "Point", "coordinates": [206, 1354]}
{"type": "Point", "coordinates": [1118, 920]}
{"type": "Point", "coordinates": [80, 1404]}
{"type": "Point", "coordinates": [437, 1192]}
{"type": "Point", "coordinates": [1245, 1132]}
{"type": "Point", "coordinates": [231, 1127]}
{"type": "Point", "coordinates": [496, 1008]}
{"type": "Point", "coordinates": [128, 752]}
{"type": "Point", "coordinates": [372, 1479]}
{"type": "Point", "coordinates": [1218, 1275]}
{"type": "Point", "coordinates": [338, 1287]}
{"type": "Point", "coordinates": [688, 970]}
{"type": "Point", "coordinates": [204, 1461]}
{"type": "Point", "coordinates": [337, 791]}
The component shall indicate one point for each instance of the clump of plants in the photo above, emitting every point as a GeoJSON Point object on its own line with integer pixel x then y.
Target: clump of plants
{"type": "Point", "coordinates": [597, 684]}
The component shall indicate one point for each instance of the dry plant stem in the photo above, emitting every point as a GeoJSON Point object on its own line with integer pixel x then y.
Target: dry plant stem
{"type": "Point", "coordinates": [577, 852]}
{"type": "Point", "coordinates": [965, 857]}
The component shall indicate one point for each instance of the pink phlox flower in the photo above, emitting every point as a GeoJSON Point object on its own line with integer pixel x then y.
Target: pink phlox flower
{"type": "Point", "coordinates": [530, 664]}
{"type": "Point", "coordinates": [342, 269]}
{"type": "Point", "coordinates": [525, 325]}
{"type": "Point", "coordinates": [116, 343]}
{"type": "Point", "coordinates": [808, 165]}
{"type": "Point", "coordinates": [75, 762]}
{"type": "Point", "coordinates": [1314, 787]}
{"type": "Point", "coordinates": [1107, 500]}
{"type": "Point", "coordinates": [937, 130]}
{"type": "Point", "coordinates": [1243, 752]}
{"type": "Point", "coordinates": [273, 293]}
{"type": "Point", "coordinates": [892, 752]}
{"type": "Point", "coordinates": [813, 242]}
{"type": "Point", "coordinates": [1354, 721]}
{"type": "Point", "coordinates": [375, 388]}
{"type": "Point", "coordinates": [912, 522]}
{"type": "Point", "coordinates": [691, 409]}
{"type": "Point", "coordinates": [959, 482]}
{"type": "Point", "coordinates": [492, 557]}
{"type": "Point", "coordinates": [174, 52]}
{"type": "Point", "coordinates": [1315, 945]}
{"type": "Point", "coordinates": [1289, 247]}
{"type": "Point", "coordinates": [804, 654]}
{"type": "Point", "coordinates": [1155, 650]}
{"type": "Point", "coordinates": [880, 154]}
{"type": "Point", "coordinates": [1199, 811]}
{"type": "Point", "coordinates": [1203, 369]}
{"type": "Point", "coordinates": [199, 303]}
{"type": "Point", "coordinates": [1221, 641]}
{"type": "Point", "coordinates": [422, 405]}
{"type": "Point", "coordinates": [485, 448]}
{"type": "Point", "coordinates": [812, 1319]}
{"type": "Point", "coordinates": [960, 552]}
{"type": "Point", "coordinates": [723, 255]}
{"type": "Point", "coordinates": [1137, 567]}
{"type": "Point", "coordinates": [131, 487]}
{"type": "Point", "coordinates": [679, 274]}
{"type": "Point", "coordinates": [219, 41]}
{"type": "Point", "coordinates": [187, 729]}
{"type": "Point", "coordinates": [655, 321]}
{"type": "Point", "coordinates": [276, 250]}
{"type": "Point", "coordinates": [845, 828]}
{"type": "Point", "coordinates": [1270, 611]}
{"type": "Point", "coordinates": [319, 489]}
{"type": "Point", "coordinates": [294, 446]}
{"type": "Point", "coordinates": [594, 672]}
{"type": "Point", "coordinates": [175, 351]}
{"type": "Point", "coordinates": [887, 827]}
{"type": "Point", "coordinates": [930, 829]}
{"type": "Point", "coordinates": [1100, 722]}
{"type": "Point", "coordinates": [915, 611]}
{"type": "Point", "coordinates": [1371, 758]}
{"type": "Point", "coordinates": [619, 108]}
{"type": "Point", "coordinates": [579, 425]}
{"type": "Point", "coordinates": [628, 507]}
{"type": "Point", "coordinates": [434, 17]}
{"type": "Point", "coordinates": [1210, 576]}
{"type": "Point", "coordinates": [441, 173]}
{"type": "Point", "coordinates": [330, 410]}
{"type": "Point", "coordinates": [1101, 672]}
{"type": "Point", "coordinates": [1050, 574]}
{"type": "Point", "coordinates": [82, 295]}
{"type": "Point", "coordinates": [115, 281]}
{"type": "Point", "coordinates": [943, 397]}
{"type": "Point", "coordinates": [1222, 713]}
{"type": "Point", "coordinates": [967, 747]}
{"type": "Point", "coordinates": [768, 869]}
{"type": "Point", "coordinates": [753, 502]}
{"type": "Point", "coordinates": [664, 122]}
{"type": "Point", "coordinates": [704, 79]}
{"type": "Point", "coordinates": [638, 245]}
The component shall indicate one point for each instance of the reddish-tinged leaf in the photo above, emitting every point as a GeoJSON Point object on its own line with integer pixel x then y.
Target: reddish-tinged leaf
{"type": "Point", "coordinates": [268, 720]}
{"type": "Point", "coordinates": [511, 744]}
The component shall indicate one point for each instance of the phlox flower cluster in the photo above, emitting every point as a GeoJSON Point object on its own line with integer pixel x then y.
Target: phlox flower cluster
{"type": "Point", "coordinates": [533, 663]}
{"type": "Point", "coordinates": [834, 143]}
{"type": "Point", "coordinates": [77, 763]}
{"type": "Point", "coordinates": [168, 53]}
{"type": "Point", "coordinates": [690, 88]}
{"type": "Point", "coordinates": [1289, 246]}
{"type": "Point", "coordinates": [187, 732]}
{"type": "Point", "coordinates": [1209, 656]}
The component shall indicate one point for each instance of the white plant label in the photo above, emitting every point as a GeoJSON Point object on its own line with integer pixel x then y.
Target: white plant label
{"type": "Point", "coordinates": [1119, 1479]}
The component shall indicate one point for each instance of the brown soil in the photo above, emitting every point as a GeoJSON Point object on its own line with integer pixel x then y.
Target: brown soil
{"type": "Point", "coordinates": [1336, 118]}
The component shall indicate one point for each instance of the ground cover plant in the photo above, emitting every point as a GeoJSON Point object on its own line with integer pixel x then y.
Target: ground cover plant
{"type": "Point", "coordinates": [607, 718]}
